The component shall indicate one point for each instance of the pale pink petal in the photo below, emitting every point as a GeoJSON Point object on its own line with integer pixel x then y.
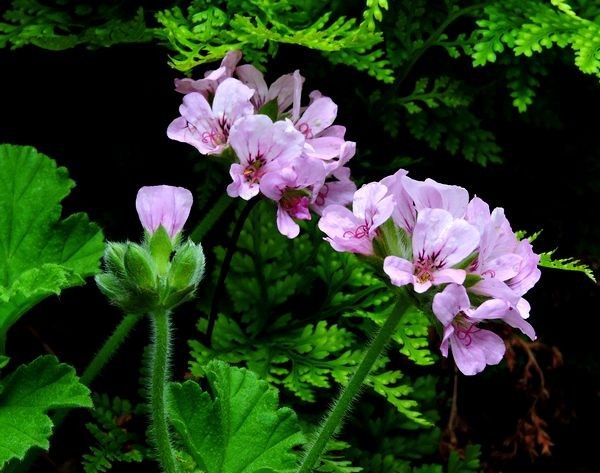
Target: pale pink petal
{"type": "Point", "coordinates": [485, 348]}
{"type": "Point", "coordinates": [286, 224]}
{"type": "Point", "coordinates": [164, 205]}
{"type": "Point", "coordinates": [367, 197]}
{"type": "Point", "coordinates": [318, 116]}
{"type": "Point", "coordinates": [254, 79]}
{"type": "Point", "coordinates": [283, 90]}
{"type": "Point", "coordinates": [399, 270]}
{"type": "Point", "coordinates": [405, 214]}
{"type": "Point", "coordinates": [490, 309]}
{"type": "Point", "coordinates": [232, 101]}
{"type": "Point", "coordinates": [432, 194]}
{"type": "Point", "coordinates": [286, 142]}
{"type": "Point", "coordinates": [323, 147]}
{"type": "Point", "coordinates": [503, 267]}
{"type": "Point", "coordinates": [524, 308]}
{"type": "Point", "coordinates": [340, 224]}
{"type": "Point", "coordinates": [514, 319]}
{"type": "Point", "coordinates": [442, 276]}
{"type": "Point", "coordinates": [448, 303]}
{"type": "Point", "coordinates": [496, 289]}
{"type": "Point", "coordinates": [250, 136]}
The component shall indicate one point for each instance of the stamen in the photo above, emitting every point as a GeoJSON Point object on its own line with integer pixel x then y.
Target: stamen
{"type": "Point", "coordinates": [304, 128]}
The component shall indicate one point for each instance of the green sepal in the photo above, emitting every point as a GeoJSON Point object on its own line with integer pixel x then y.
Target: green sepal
{"type": "Point", "coordinates": [464, 264]}
{"type": "Point", "coordinates": [113, 257]}
{"type": "Point", "coordinates": [161, 247]}
{"type": "Point", "coordinates": [139, 268]}
{"type": "Point", "coordinates": [112, 287]}
{"type": "Point", "coordinates": [270, 109]}
{"type": "Point", "coordinates": [392, 240]}
{"type": "Point", "coordinates": [187, 267]}
{"type": "Point", "coordinates": [472, 279]}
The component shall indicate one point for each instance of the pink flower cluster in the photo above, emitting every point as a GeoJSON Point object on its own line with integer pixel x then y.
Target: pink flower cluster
{"type": "Point", "coordinates": [433, 238]}
{"type": "Point", "coordinates": [291, 154]}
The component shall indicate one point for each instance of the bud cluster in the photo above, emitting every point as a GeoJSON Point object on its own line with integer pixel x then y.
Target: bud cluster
{"type": "Point", "coordinates": [158, 274]}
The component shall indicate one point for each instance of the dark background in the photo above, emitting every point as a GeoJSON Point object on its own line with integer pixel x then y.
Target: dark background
{"type": "Point", "coordinates": [103, 115]}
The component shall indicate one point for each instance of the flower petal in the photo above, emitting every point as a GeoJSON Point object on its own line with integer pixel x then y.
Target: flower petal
{"type": "Point", "coordinates": [399, 270]}
{"type": "Point", "coordinates": [452, 300]}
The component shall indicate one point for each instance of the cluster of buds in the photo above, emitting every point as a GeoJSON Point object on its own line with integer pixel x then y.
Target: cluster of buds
{"type": "Point", "coordinates": [462, 260]}
{"type": "Point", "coordinates": [163, 271]}
{"type": "Point", "coordinates": [292, 155]}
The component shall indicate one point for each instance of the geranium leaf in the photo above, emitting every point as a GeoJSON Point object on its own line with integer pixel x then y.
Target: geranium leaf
{"type": "Point", "coordinates": [238, 426]}
{"type": "Point", "coordinates": [39, 254]}
{"type": "Point", "coordinates": [27, 395]}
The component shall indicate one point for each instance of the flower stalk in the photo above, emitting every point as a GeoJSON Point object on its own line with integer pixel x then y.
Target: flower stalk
{"type": "Point", "coordinates": [341, 407]}
{"type": "Point", "coordinates": [159, 378]}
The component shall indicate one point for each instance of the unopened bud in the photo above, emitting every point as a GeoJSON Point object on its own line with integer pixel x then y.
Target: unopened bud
{"type": "Point", "coordinates": [187, 267]}
{"type": "Point", "coordinates": [113, 257]}
{"type": "Point", "coordinates": [139, 267]}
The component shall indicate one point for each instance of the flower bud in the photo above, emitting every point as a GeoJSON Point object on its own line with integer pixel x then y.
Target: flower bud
{"type": "Point", "coordinates": [187, 267]}
{"type": "Point", "coordinates": [161, 247]}
{"type": "Point", "coordinates": [113, 257]}
{"type": "Point", "coordinates": [165, 206]}
{"type": "Point", "coordinates": [139, 267]}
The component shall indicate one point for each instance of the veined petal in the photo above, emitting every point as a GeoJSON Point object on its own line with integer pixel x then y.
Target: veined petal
{"type": "Point", "coordinates": [253, 78]}
{"type": "Point", "coordinates": [452, 300]}
{"type": "Point", "coordinates": [318, 116]}
{"type": "Point", "coordinates": [325, 147]}
{"type": "Point", "coordinates": [250, 137]}
{"type": "Point", "coordinates": [164, 205]}
{"type": "Point", "coordinates": [399, 270]}
{"type": "Point", "coordinates": [232, 101]}
{"type": "Point", "coordinates": [496, 289]}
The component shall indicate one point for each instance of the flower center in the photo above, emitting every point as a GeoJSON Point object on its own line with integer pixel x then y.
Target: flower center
{"type": "Point", "coordinates": [215, 137]}
{"type": "Point", "coordinates": [361, 231]}
{"type": "Point", "coordinates": [252, 173]}
{"type": "Point", "coordinates": [464, 328]}
{"type": "Point", "coordinates": [425, 266]}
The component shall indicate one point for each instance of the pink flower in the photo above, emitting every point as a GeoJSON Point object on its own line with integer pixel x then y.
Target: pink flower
{"type": "Point", "coordinates": [282, 89]}
{"type": "Point", "coordinates": [433, 195]}
{"type": "Point", "coordinates": [261, 146]}
{"type": "Point", "coordinates": [212, 79]}
{"type": "Point", "coordinates": [205, 127]}
{"type": "Point", "coordinates": [354, 230]}
{"type": "Point", "coordinates": [508, 266]}
{"type": "Point", "coordinates": [334, 192]}
{"type": "Point", "coordinates": [439, 242]}
{"type": "Point", "coordinates": [472, 347]}
{"type": "Point", "coordinates": [405, 214]}
{"type": "Point", "coordinates": [165, 206]}
{"type": "Point", "coordinates": [322, 140]}
{"type": "Point", "coordinates": [289, 187]}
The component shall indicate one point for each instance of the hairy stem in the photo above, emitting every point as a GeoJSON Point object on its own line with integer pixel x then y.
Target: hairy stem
{"type": "Point", "coordinates": [214, 306]}
{"type": "Point", "coordinates": [159, 377]}
{"type": "Point", "coordinates": [109, 348]}
{"type": "Point", "coordinates": [342, 405]}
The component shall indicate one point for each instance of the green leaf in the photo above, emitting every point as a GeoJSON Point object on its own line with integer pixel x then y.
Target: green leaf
{"type": "Point", "coordinates": [238, 426]}
{"type": "Point", "coordinates": [28, 394]}
{"type": "Point", "coordinates": [39, 254]}
{"type": "Point", "coordinates": [566, 264]}
{"type": "Point", "coordinates": [469, 464]}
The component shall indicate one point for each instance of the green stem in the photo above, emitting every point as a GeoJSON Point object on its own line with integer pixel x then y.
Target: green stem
{"type": "Point", "coordinates": [214, 305]}
{"type": "Point", "coordinates": [109, 348]}
{"type": "Point", "coordinates": [159, 377]}
{"type": "Point", "coordinates": [342, 405]}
